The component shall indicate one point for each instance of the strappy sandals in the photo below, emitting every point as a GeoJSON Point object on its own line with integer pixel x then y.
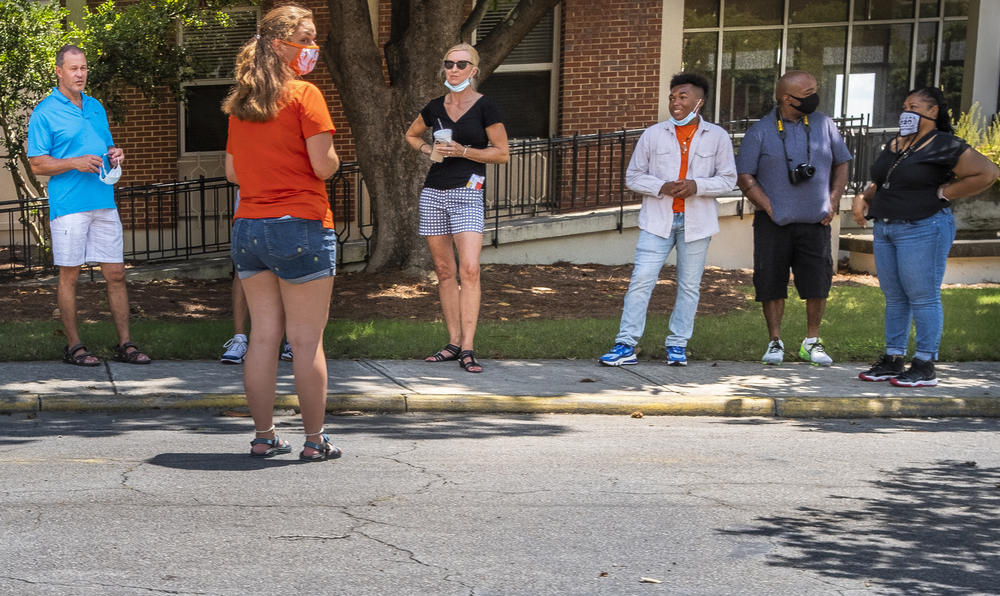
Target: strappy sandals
{"type": "Point", "coordinates": [78, 356]}
{"type": "Point", "coordinates": [135, 356]}
{"type": "Point", "coordinates": [467, 360]}
{"type": "Point", "coordinates": [449, 352]}
{"type": "Point", "coordinates": [275, 446]}
{"type": "Point", "coordinates": [323, 451]}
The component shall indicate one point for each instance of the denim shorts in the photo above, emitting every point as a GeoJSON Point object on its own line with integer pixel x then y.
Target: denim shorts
{"type": "Point", "coordinates": [296, 250]}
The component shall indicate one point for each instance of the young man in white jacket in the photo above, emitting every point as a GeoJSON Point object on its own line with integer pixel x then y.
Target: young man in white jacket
{"type": "Point", "coordinates": [680, 166]}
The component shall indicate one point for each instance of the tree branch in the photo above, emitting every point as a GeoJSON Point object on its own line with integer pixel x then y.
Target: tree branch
{"type": "Point", "coordinates": [493, 50]}
{"type": "Point", "coordinates": [475, 17]}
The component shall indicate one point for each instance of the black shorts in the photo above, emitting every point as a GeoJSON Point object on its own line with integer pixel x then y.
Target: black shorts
{"type": "Point", "coordinates": [803, 248]}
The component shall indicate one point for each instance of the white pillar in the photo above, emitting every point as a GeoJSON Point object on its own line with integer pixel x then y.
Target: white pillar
{"type": "Point", "coordinates": [981, 78]}
{"type": "Point", "coordinates": [671, 48]}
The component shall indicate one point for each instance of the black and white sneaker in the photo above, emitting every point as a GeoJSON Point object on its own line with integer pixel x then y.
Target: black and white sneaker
{"type": "Point", "coordinates": [887, 367]}
{"type": "Point", "coordinates": [920, 374]}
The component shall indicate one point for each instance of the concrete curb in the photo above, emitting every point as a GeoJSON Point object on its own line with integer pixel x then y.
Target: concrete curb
{"type": "Point", "coordinates": [702, 405]}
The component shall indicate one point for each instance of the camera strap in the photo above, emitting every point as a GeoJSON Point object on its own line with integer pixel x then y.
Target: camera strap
{"type": "Point", "coordinates": [781, 135]}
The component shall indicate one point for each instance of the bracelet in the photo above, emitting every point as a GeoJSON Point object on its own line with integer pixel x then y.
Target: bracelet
{"type": "Point", "coordinates": [421, 147]}
{"type": "Point", "coordinates": [465, 151]}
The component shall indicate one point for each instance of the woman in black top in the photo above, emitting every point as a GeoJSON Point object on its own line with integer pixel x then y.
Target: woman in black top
{"type": "Point", "coordinates": [451, 202]}
{"type": "Point", "coordinates": [914, 181]}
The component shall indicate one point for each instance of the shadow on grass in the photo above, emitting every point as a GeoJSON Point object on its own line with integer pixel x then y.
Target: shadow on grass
{"type": "Point", "coordinates": [933, 530]}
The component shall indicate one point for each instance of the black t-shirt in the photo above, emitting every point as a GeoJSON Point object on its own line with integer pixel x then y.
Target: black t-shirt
{"type": "Point", "coordinates": [913, 184]}
{"type": "Point", "coordinates": [470, 130]}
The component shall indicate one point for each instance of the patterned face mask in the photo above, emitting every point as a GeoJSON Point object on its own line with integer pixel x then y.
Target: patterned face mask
{"type": "Point", "coordinates": [305, 59]}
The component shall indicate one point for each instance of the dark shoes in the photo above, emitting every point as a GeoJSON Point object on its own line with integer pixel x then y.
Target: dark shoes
{"type": "Point", "coordinates": [887, 367]}
{"type": "Point", "coordinates": [920, 374]}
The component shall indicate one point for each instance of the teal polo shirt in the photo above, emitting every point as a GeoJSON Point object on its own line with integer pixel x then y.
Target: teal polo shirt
{"type": "Point", "coordinates": [61, 130]}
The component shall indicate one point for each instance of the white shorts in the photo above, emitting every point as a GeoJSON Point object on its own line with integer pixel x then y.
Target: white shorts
{"type": "Point", "coordinates": [87, 237]}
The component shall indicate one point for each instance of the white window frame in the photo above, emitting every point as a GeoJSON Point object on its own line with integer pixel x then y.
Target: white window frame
{"type": "Point", "coordinates": [183, 108]}
{"type": "Point", "coordinates": [551, 67]}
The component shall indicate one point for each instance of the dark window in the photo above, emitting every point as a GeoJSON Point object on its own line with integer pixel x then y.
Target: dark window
{"type": "Point", "coordinates": [522, 85]}
{"type": "Point", "coordinates": [205, 125]}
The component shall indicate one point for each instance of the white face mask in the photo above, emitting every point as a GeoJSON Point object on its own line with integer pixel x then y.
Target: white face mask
{"type": "Point", "coordinates": [909, 123]}
{"type": "Point", "coordinates": [691, 116]}
{"type": "Point", "coordinates": [459, 87]}
{"type": "Point", "coordinates": [110, 176]}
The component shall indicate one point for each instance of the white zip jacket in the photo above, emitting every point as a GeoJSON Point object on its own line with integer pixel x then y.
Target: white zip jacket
{"type": "Point", "coordinates": [657, 160]}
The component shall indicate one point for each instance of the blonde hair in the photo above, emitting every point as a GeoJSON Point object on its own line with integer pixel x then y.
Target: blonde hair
{"type": "Point", "coordinates": [261, 75]}
{"type": "Point", "coordinates": [466, 48]}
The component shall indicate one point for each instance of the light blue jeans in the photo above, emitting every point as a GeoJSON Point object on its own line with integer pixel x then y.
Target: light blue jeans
{"type": "Point", "coordinates": [910, 259]}
{"type": "Point", "coordinates": [651, 252]}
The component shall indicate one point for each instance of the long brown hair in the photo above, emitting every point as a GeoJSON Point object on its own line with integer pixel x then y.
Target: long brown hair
{"type": "Point", "coordinates": [261, 75]}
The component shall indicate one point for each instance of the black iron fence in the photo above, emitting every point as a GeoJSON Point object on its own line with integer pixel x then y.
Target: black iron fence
{"type": "Point", "coordinates": [181, 220]}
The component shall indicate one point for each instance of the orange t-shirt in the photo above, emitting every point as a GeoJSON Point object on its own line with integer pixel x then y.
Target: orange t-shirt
{"type": "Point", "coordinates": [271, 161]}
{"type": "Point", "coordinates": [684, 135]}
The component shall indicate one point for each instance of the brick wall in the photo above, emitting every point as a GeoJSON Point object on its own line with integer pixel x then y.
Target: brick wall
{"type": "Point", "coordinates": [610, 65]}
{"type": "Point", "coordinates": [609, 79]}
{"type": "Point", "coordinates": [149, 138]}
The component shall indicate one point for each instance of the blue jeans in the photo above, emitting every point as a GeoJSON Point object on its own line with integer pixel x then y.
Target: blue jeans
{"type": "Point", "coordinates": [651, 253]}
{"type": "Point", "coordinates": [910, 258]}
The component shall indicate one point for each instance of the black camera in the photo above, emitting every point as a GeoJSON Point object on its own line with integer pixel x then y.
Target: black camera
{"type": "Point", "coordinates": [801, 173]}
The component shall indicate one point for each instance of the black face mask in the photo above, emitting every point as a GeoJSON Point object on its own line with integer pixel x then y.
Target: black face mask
{"type": "Point", "coordinates": [807, 104]}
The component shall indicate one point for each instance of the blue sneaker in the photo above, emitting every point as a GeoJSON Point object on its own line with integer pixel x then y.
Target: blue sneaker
{"type": "Point", "coordinates": [676, 356]}
{"type": "Point", "coordinates": [619, 355]}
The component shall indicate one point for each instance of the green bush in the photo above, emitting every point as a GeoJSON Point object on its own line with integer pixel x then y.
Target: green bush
{"type": "Point", "coordinates": [971, 126]}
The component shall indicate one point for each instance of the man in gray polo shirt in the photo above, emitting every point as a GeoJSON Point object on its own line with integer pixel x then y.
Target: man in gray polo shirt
{"type": "Point", "coordinates": [792, 165]}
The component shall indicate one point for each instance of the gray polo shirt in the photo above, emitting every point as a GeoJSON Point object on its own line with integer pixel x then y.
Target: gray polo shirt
{"type": "Point", "coordinates": [761, 155]}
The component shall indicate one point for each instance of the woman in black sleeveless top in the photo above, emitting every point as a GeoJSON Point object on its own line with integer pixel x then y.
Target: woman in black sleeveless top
{"type": "Point", "coordinates": [914, 181]}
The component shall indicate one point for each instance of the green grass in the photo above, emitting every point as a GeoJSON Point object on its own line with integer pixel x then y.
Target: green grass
{"type": "Point", "coordinates": [852, 331]}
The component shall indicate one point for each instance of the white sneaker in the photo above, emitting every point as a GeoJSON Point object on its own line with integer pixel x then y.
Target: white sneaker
{"type": "Point", "coordinates": [775, 352]}
{"type": "Point", "coordinates": [236, 349]}
{"type": "Point", "coordinates": [815, 353]}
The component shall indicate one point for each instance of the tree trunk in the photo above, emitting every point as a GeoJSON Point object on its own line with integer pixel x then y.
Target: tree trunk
{"type": "Point", "coordinates": [381, 104]}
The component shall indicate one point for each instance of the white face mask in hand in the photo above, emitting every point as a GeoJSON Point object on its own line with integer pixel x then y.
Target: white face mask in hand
{"type": "Point", "coordinates": [110, 176]}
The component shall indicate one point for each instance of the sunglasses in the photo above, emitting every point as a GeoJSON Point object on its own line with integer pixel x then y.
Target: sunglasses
{"type": "Point", "coordinates": [461, 64]}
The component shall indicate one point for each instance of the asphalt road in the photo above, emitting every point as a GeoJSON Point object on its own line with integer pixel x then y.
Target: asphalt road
{"type": "Point", "coordinates": [170, 502]}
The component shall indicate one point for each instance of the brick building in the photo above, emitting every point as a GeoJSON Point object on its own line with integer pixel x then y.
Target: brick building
{"type": "Point", "coordinates": [604, 65]}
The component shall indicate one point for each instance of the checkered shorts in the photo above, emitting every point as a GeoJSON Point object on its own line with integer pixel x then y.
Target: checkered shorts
{"type": "Point", "coordinates": [450, 211]}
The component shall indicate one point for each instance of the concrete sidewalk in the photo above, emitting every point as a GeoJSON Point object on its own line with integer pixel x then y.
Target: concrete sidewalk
{"type": "Point", "coordinates": [795, 390]}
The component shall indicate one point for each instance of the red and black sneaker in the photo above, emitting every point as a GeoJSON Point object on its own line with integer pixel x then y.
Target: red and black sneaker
{"type": "Point", "coordinates": [887, 367]}
{"type": "Point", "coordinates": [920, 374]}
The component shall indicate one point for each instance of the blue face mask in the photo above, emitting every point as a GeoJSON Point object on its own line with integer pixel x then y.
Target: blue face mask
{"type": "Point", "coordinates": [687, 119]}
{"type": "Point", "coordinates": [459, 87]}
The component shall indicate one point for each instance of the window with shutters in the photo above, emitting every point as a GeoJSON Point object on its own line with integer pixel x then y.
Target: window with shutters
{"type": "Point", "coordinates": [526, 83]}
{"type": "Point", "coordinates": [214, 47]}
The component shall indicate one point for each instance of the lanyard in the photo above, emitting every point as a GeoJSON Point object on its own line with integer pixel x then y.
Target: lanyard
{"type": "Point", "coordinates": [781, 135]}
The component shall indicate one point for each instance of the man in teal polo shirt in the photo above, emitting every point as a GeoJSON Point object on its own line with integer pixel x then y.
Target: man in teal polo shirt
{"type": "Point", "coordinates": [69, 140]}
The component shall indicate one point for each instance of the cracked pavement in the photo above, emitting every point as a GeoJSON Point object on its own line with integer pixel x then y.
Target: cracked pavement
{"type": "Point", "coordinates": [170, 503]}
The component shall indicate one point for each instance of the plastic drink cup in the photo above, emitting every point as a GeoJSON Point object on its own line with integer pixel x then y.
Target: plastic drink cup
{"type": "Point", "coordinates": [442, 135]}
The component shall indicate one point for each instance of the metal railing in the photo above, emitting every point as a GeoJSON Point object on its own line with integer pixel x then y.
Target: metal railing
{"type": "Point", "coordinates": [181, 220]}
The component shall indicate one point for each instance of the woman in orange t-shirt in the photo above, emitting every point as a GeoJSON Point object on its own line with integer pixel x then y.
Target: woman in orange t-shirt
{"type": "Point", "coordinates": [280, 152]}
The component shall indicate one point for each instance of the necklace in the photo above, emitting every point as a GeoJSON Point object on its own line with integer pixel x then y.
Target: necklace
{"type": "Point", "coordinates": [686, 143]}
{"type": "Point", "coordinates": [902, 155]}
